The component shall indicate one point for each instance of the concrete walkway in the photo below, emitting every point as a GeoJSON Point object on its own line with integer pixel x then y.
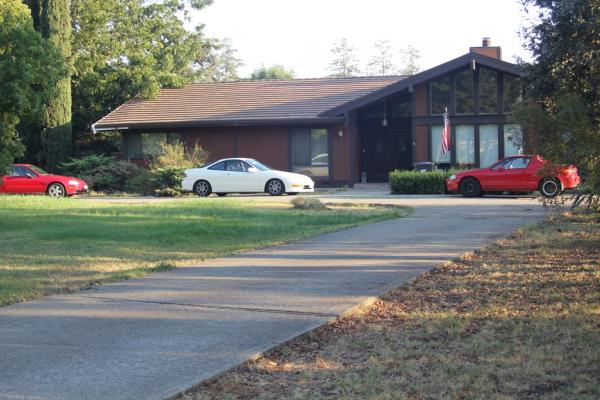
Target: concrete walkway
{"type": "Point", "coordinates": [154, 337]}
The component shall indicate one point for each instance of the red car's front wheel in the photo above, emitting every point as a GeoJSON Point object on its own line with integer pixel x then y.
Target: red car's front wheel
{"type": "Point", "coordinates": [56, 190]}
{"type": "Point", "coordinates": [470, 187]}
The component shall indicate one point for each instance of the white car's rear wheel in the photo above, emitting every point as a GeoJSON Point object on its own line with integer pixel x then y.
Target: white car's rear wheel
{"type": "Point", "coordinates": [275, 187]}
{"type": "Point", "coordinates": [202, 188]}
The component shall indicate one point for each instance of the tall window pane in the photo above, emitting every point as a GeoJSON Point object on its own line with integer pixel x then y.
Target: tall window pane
{"type": "Point", "coordinates": [488, 145]}
{"type": "Point", "coordinates": [465, 144]}
{"type": "Point", "coordinates": [310, 154]}
{"type": "Point", "coordinates": [512, 92]}
{"type": "Point", "coordinates": [151, 143]}
{"type": "Point", "coordinates": [440, 94]}
{"type": "Point", "coordinates": [134, 146]}
{"type": "Point", "coordinates": [436, 146]}
{"type": "Point", "coordinates": [465, 92]}
{"type": "Point", "coordinates": [488, 91]}
{"type": "Point", "coordinates": [513, 140]}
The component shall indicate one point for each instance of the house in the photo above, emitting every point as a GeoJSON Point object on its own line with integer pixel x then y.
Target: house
{"type": "Point", "coordinates": [338, 130]}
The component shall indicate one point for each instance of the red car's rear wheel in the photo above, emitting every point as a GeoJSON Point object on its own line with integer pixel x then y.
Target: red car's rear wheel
{"type": "Point", "coordinates": [550, 188]}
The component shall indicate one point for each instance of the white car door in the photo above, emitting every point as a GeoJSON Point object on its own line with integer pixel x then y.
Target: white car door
{"type": "Point", "coordinates": [217, 176]}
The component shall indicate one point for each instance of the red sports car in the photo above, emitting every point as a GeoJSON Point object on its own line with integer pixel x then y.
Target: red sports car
{"type": "Point", "coordinates": [26, 179]}
{"type": "Point", "coordinates": [519, 174]}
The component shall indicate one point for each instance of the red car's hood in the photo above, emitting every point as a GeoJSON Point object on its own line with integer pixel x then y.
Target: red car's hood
{"type": "Point", "coordinates": [63, 178]}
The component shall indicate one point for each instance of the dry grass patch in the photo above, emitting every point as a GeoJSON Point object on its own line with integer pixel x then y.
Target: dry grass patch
{"type": "Point", "coordinates": [520, 320]}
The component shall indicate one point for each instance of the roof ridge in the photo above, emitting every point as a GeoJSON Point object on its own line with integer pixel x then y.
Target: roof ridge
{"type": "Point", "coordinates": [331, 78]}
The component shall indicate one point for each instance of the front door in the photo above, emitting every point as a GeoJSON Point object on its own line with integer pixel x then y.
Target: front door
{"type": "Point", "coordinates": [384, 151]}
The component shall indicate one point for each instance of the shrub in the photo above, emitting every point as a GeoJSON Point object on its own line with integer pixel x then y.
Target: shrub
{"type": "Point", "coordinates": [167, 168]}
{"type": "Point", "coordinates": [176, 155]}
{"type": "Point", "coordinates": [103, 174]}
{"type": "Point", "coordinates": [414, 182]}
{"type": "Point", "coordinates": [167, 181]}
{"type": "Point", "coordinates": [308, 203]}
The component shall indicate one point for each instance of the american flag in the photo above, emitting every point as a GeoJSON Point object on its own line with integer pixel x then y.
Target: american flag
{"type": "Point", "coordinates": [446, 134]}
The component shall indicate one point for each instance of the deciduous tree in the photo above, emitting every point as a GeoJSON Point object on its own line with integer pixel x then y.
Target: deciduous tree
{"type": "Point", "coordinates": [275, 71]}
{"type": "Point", "coordinates": [561, 112]}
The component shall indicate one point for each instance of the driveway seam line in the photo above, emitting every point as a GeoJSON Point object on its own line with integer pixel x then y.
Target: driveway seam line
{"type": "Point", "coordinates": [214, 307]}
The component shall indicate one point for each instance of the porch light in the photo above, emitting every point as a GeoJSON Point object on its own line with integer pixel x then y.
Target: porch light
{"type": "Point", "coordinates": [384, 122]}
{"type": "Point", "coordinates": [340, 133]}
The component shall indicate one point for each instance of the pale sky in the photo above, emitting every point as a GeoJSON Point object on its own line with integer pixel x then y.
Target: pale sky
{"type": "Point", "coordinates": [300, 34]}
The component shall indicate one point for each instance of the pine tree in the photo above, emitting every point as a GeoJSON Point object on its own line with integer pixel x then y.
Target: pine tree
{"type": "Point", "coordinates": [345, 62]}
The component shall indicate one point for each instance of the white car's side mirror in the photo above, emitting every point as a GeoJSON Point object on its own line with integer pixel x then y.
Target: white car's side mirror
{"type": "Point", "coordinates": [252, 169]}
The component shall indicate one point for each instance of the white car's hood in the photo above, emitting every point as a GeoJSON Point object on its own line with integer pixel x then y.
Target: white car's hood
{"type": "Point", "coordinates": [299, 178]}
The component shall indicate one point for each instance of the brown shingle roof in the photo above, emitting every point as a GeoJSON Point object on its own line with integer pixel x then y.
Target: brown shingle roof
{"type": "Point", "coordinates": [243, 102]}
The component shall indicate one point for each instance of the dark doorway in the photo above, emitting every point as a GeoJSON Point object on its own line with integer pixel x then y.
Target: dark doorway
{"type": "Point", "coordinates": [384, 149]}
{"type": "Point", "coordinates": [385, 137]}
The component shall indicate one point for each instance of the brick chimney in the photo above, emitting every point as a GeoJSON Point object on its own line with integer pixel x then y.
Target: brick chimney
{"type": "Point", "coordinates": [487, 49]}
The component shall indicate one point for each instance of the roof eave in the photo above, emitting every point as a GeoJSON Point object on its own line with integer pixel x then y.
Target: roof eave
{"type": "Point", "coordinates": [216, 122]}
{"type": "Point", "coordinates": [423, 77]}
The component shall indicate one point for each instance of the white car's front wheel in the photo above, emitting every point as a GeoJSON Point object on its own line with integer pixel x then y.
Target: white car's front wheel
{"type": "Point", "coordinates": [275, 187]}
{"type": "Point", "coordinates": [202, 188]}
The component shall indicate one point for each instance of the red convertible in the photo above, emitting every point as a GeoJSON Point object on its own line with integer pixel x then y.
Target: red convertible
{"type": "Point", "coordinates": [28, 179]}
{"type": "Point", "coordinates": [520, 174]}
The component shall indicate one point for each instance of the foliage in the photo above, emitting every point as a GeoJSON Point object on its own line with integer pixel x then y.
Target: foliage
{"type": "Point", "coordinates": [167, 168]}
{"type": "Point", "coordinates": [275, 71]}
{"type": "Point", "coordinates": [167, 181]}
{"type": "Point", "coordinates": [415, 182]}
{"type": "Point", "coordinates": [56, 129]}
{"type": "Point", "coordinates": [29, 70]}
{"type": "Point", "coordinates": [308, 203]}
{"type": "Point", "coordinates": [128, 48]}
{"type": "Point", "coordinates": [382, 62]}
{"type": "Point", "coordinates": [410, 59]}
{"type": "Point", "coordinates": [223, 63]}
{"type": "Point", "coordinates": [179, 156]}
{"type": "Point", "coordinates": [561, 112]}
{"type": "Point", "coordinates": [345, 62]}
{"type": "Point", "coordinates": [102, 173]}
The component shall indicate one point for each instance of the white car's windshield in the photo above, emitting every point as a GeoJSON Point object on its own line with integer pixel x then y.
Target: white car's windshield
{"type": "Point", "coordinates": [259, 166]}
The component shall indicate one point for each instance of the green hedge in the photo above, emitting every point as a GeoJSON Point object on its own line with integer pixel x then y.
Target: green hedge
{"type": "Point", "coordinates": [414, 182]}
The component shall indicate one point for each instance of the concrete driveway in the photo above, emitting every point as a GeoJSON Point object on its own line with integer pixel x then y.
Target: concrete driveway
{"type": "Point", "coordinates": [154, 337]}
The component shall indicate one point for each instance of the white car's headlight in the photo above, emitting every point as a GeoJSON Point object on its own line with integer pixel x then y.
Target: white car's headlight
{"type": "Point", "coordinates": [73, 183]}
{"type": "Point", "coordinates": [452, 176]}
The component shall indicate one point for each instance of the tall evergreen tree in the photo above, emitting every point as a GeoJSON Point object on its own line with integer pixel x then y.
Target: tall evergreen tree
{"type": "Point", "coordinates": [52, 18]}
{"type": "Point", "coordinates": [29, 70]}
{"type": "Point", "coordinates": [382, 62]}
{"type": "Point", "coordinates": [345, 62]}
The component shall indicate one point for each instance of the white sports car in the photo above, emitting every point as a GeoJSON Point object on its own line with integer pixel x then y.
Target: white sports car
{"type": "Point", "coordinates": [243, 175]}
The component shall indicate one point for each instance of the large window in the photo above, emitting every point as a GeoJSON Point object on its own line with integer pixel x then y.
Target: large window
{"type": "Point", "coordinates": [513, 140]}
{"type": "Point", "coordinates": [148, 145]}
{"type": "Point", "coordinates": [488, 145]}
{"type": "Point", "coordinates": [310, 154]}
{"type": "Point", "coordinates": [488, 91]}
{"type": "Point", "coordinates": [465, 144]}
{"type": "Point", "coordinates": [464, 92]}
{"type": "Point", "coordinates": [436, 146]}
{"type": "Point", "coordinates": [440, 94]}
{"type": "Point", "coordinates": [512, 92]}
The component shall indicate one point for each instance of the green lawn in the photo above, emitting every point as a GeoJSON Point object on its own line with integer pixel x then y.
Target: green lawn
{"type": "Point", "coordinates": [518, 320]}
{"type": "Point", "coordinates": [56, 245]}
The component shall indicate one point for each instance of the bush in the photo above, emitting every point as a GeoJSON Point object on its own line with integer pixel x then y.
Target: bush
{"type": "Point", "coordinates": [308, 203]}
{"type": "Point", "coordinates": [177, 156]}
{"type": "Point", "coordinates": [167, 181]}
{"type": "Point", "coordinates": [414, 182]}
{"type": "Point", "coordinates": [167, 168]}
{"type": "Point", "coordinates": [103, 174]}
